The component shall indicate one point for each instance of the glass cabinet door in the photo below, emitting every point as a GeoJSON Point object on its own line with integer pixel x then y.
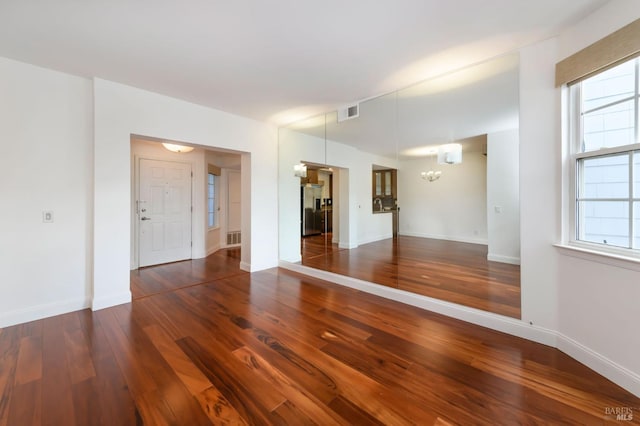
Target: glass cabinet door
{"type": "Point", "coordinates": [378, 190]}
{"type": "Point", "coordinates": [387, 182]}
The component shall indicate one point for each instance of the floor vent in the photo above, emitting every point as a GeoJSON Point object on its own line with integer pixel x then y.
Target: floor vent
{"type": "Point", "coordinates": [233, 238]}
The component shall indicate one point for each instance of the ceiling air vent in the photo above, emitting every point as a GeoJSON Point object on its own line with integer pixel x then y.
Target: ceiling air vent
{"type": "Point", "coordinates": [348, 112]}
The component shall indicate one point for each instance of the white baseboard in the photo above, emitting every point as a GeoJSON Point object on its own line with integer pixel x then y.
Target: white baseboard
{"type": "Point", "coordinates": [597, 362]}
{"type": "Point", "coordinates": [600, 364]}
{"type": "Point", "coordinates": [475, 316]}
{"type": "Point", "coordinates": [503, 259]}
{"type": "Point", "coordinates": [482, 241]}
{"type": "Point", "coordinates": [33, 313]}
{"type": "Point", "coordinates": [112, 300]}
{"type": "Point", "coordinates": [375, 238]}
{"type": "Point", "coordinates": [245, 266]}
{"type": "Point", "coordinates": [347, 245]}
{"type": "Point", "coordinates": [213, 249]}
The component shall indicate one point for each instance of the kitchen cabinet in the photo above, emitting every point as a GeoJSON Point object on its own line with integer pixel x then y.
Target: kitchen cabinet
{"type": "Point", "coordinates": [312, 177]}
{"type": "Point", "coordinates": [384, 183]}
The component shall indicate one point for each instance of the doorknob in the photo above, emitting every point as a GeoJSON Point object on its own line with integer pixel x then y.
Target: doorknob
{"type": "Point", "coordinates": [145, 218]}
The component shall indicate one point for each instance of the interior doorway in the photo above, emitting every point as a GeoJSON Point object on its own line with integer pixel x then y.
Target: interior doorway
{"type": "Point", "coordinates": [319, 229]}
{"type": "Point", "coordinates": [186, 204]}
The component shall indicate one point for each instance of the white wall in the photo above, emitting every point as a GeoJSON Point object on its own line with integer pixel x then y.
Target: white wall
{"type": "Point", "coordinates": [121, 111]}
{"type": "Point", "coordinates": [46, 144]}
{"type": "Point", "coordinates": [597, 302]}
{"type": "Point", "coordinates": [453, 207]}
{"type": "Point", "coordinates": [591, 304]}
{"type": "Point", "coordinates": [66, 148]}
{"type": "Point", "coordinates": [539, 184]}
{"type": "Point", "coordinates": [503, 196]}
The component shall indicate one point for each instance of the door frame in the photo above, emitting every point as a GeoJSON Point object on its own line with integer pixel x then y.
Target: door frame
{"type": "Point", "coordinates": [135, 196]}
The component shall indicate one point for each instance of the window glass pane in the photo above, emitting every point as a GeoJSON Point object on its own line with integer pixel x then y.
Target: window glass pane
{"type": "Point", "coordinates": [636, 174]}
{"type": "Point", "coordinates": [609, 127]}
{"type": "Point", "coordinates": [211, 189]}
{"type": "Point", "coordinates": [605, 177]}
{"type": "Point", "coordinates": [610, 86]}
{"type": "Point", "coordinates": [210, 207]}
{"type": "Point", "coordinates": [636, 229]}
{"type": "Point", "coordinates": [604, 222]}
{"type": "Point", "coordinates": [211, 219]}
{"type": "Point", "coordinates": [210, 178]}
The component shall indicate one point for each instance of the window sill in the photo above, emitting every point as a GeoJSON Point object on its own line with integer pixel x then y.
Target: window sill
{"type": "Point", "coordinates": [213, 228]}
{"type": "Point", "coordinates": [612, 259]}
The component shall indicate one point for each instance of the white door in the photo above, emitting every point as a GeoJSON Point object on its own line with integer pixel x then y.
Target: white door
{"type": "Point", "coordinates": [164, 212]}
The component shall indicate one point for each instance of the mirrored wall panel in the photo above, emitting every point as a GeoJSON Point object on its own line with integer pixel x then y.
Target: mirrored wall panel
{"type": "Point", "coordinates": [415, 190]}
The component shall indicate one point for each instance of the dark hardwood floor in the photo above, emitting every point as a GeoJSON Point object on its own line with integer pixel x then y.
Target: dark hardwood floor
{"type": "Point", "coordinates": [276, 347]}
{"type": "Point", "coordinates": [445, 270]}
{"type": "Point", "coordinates": [171, 276]}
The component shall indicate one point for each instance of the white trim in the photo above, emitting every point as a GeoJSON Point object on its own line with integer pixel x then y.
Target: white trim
{"type": "Point", "coordinates": [597, 362]}
{"type": "Point", "coordinates": [245, 266]}
{"type": "Point", "coordinates": [475, 316]}
{"type": "Point", "coordinates": [607, 152]}
{"type": "Point", "coordinates": [503, 259]}
{"type": "Point", "coordinates": [610, 259]}
{"type": "Point", "coordinates": [347, 245]}
{"type": "Point", "coordinates": [213, 249]}
{"type": "Point", "coordinates": [600, 364]}
{"type": "Point", "coordinates": [112, 300]}
{"type": "Point", "coordinates": [375, 239]}
{"type": "Point", "coordinates": [33, 313]}
{"type": "Point", "coordinates": [216, 198]}
{"type": "Point", "coordinates": [482, 241]}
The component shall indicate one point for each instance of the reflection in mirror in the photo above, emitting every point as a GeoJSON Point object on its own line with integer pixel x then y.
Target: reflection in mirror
{"type": "Point", "coordinates": [457, 222]}
{"type": "Point", "coordinates": [302, 146]}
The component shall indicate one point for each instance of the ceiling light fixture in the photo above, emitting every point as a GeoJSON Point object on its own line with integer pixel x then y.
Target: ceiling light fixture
{"type": "Point", "coordinates": [431, 175]}
{"type": "Point", "coordinates": [177, 148]}
{"type": "Point", "coordinates": [300, 170]}
{"type": "Point", "coordinates": [450, 153]}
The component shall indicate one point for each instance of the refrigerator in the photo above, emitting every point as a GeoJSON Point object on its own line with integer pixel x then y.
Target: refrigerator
{"type": "Point", "coordinates": [311, 209]}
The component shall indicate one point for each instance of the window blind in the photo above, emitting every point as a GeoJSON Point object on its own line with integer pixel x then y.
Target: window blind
{"type": "Point", "coordinates": [605, 53]}
{"type": "Point", "coordinates": [214, 170]}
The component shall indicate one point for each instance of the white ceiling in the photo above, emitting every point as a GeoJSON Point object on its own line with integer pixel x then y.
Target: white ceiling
{"type": "Point", "coordinates": [277, 60]}
{"type": "Point", "coordinates": [460, 106]}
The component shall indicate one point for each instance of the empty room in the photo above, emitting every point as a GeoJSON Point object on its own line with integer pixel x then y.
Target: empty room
{"type": "Point", "coordinates": [412, 212]}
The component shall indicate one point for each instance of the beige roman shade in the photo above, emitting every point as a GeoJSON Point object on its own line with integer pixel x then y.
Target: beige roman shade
{"type": "Point", "coordinates": [605, 53]}
{"type": "Point", "coordinates": [214, 170]}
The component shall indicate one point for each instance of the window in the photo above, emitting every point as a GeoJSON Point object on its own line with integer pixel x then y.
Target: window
{"type": "Point", "coordinates": [211, 200]}
{"type": "Point", "coordinates": [606, 155]}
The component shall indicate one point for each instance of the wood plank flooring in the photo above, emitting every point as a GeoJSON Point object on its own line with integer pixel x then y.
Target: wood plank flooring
{"type": "Point", "coordinates": [276, 347]}
{"type": "Point", "coordinates": [446, 270]}
{"type": "Point", "coordinates": [171, 276]}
